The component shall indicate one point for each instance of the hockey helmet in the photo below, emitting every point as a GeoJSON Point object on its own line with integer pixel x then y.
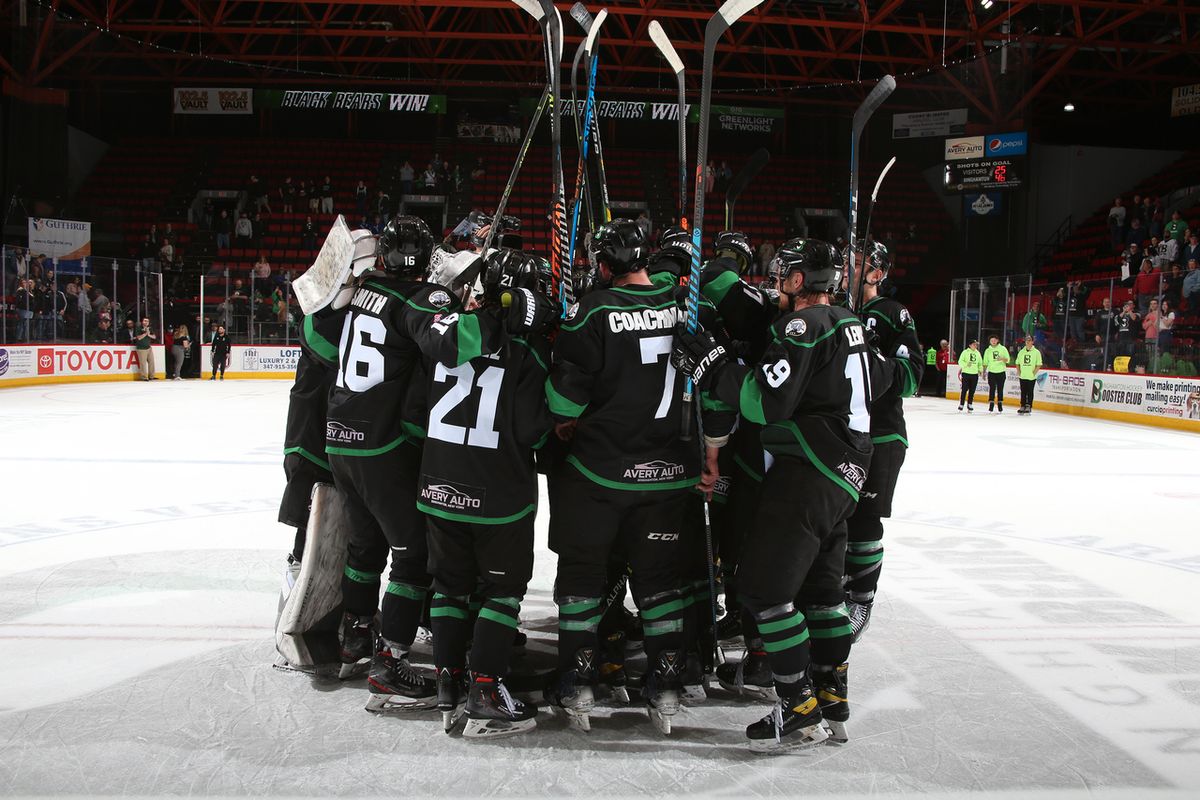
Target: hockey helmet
{"type": "Point", "coordinates": [366, 251]}
{"type": "Point", "coordinates": [406, 246]}
{"type": "Point", "coordinates": [506, 268]}
{"type": "Point", "coordinates": [620, 246]}
{"type": "Point", "coordinates": [875, 256]}
{"type": "Point", "coordinates": [816, 260]}
{"type": "Point", "coordinates": [735, 245]}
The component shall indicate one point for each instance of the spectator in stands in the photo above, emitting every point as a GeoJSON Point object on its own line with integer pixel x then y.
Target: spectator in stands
{"type": "Point", "coordinates": [360, 198]}
{"type": "Point", "coordinates": [1125, 324]}
{"type": "Point", "coordinates": [327, 196]}
{"type": "Point", "coordinates": [279, 304]}
{"type": "Point", "coordinates": [407, 176]}
{"type": "Point", "coordinates": [1137, 234]}
{"type": "Point", "coordinates": [1058, 310]}
{"type": "Point", "coordinates": [263, 201]}
{"type": "Point", "coordinates": [208, 216]}
{"type": "Point", "coordinates": [1155, 228]}
{"type": "Point", "coordinates": [479, 170]}
{"type": "Point", "coordinates": [25, 304]}
{"type": "Point", "coordinates": [181, 347]}
{"type": "Point", "coordinates": [225, 312]}
{"type": "Point", "coordinates": [438, 164]}
{"type": "Point", "coordinates": [258, 229]}
{"type": "Point", "coordinates": [1034, 323]}
{"type": "Point", "coordinates": [766, 252]}
{"type": "Point", "coordinates": [1173, 285]}
{"type": "Point", "coordinates": [287, 195]}
{"type": "Point", "coordinates": [144, 340]}
{"type": "Point", "coordinates": [302, 194]}
{"type": "Point", "coordinates": [166, 254]}
{"type": "Point", "coordinates": [944, 357]}
{"type": "Point", "coordinates": [376, 227]}
{"type": "Point", "coordinates": [154, 240]}
{"type": "Point", "coordinates": [1166, 323]}
{"type": "Point", "coordinates": [1154, 251]}
{"type": "Point", "coordinates": [383, 204]}
{"type": "Point", "coordinates": [104, 333]}
{"type": "Point", "coordinates": [224, 227]}
{"type": "Point", "coordinates": [314, 197]}
{"type": "Point", "coordinates": [244, 230]}
{"type": "Point", "coordinates": [1148, 208]}
{"type": "Point", "coordinates": [1102, 319]}
{"type": "Point", "coordinates": [168, 232]}
{"type": "Point", "coordinates": [1191, 286]}
{"type": "Point", "coordinates": [1077, 295]}
{"type": "Point", "coordinates": [308, 235]}
{"type": "Point", "coordinates": [1169, 250]}
{"type": "Point", "coordinates": [1131, 262]}
{"type": "Point", "coordinates": [1192, 249]}
{"type": "Point", "coordinates": [456, 177]}
{"type": "Point", "coordinates": [147, 251]}
{"type": "Point", "coordinates": [1135, 209]}
{"type": "Point", "coordinates": [643, 222]}
{"type": "Point", "coordinates": [20, 269]}
{"type": "Point", "coordinates": [262, 268]}
{"type": "Point", "coordinates": [128, 334]}
{"type": "Point", "coordinates": [220, 353]}
{"type": "Point", "coordinates": [1146, 285]}
{"type": "Point", "coordinates": [1175, 228]}
{"type": "Point", "coordinates": [429, 178]}
{"type": "Point", "coordinates": [1150, 322]}
{"type": "Point", "coordinates": [1116, 223]}
{"type": "Point", "coordinates": [710, 178]}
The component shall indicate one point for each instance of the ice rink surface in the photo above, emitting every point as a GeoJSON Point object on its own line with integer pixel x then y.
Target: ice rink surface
{"type": "Point", "coordinates": [1037, 631]}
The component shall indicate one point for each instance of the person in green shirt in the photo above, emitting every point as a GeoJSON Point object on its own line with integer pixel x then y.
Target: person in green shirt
{"type": "Point", "coordinates": [1176, 228]}
{"type": "Point", "coordinates": [143, 339]}
{"type": "Point", "coordinates": [1034, 321]}
{"type": "Point", "coordinates": [1029, 361]}
{"type": "Point", "coordinates": [930, 368]}
{"type": "Point", "coordinates": [969, 364]}
{"type": "Point", "coordinates": [995, 360]}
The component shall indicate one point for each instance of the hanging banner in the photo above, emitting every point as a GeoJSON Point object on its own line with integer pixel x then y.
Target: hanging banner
{"type": "Point", "coordinates": [352, 101]}
{"type": "Point", "coordinates": [741, 118]}
{"type": "Point", "coordinates": [983, 204]}
{"type": "Point", "coordinates": [68, 240]}
{"type": "Point", "coordinates": [1185, 100]}
{"type": "Point", "coordinates": [1006, 144]}
{"type": "Point", "coordinates": [214, 101]}
{"type": "Point", "coordinates": [926, 124]}
{"type": "Point", "coordinates": [729, 118]}
{"type": "Point", "coordinates": [964, 147]}
{"type": "Point", "coordinates": [504, 134]}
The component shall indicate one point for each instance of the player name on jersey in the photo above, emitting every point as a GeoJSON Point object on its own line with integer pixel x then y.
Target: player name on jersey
{"type": "Point", "coordinates": [649, 319]}
{"type": "Point", "coordinates": [369, 301]}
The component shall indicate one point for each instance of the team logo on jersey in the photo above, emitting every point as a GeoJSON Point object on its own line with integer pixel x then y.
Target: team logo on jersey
{"type": "Point", "coordinates": [662, 537]}
{"type": "Point", "coordinates": [439, 298]}
{"type": "Point", "coordinates": [855, 475]}
{"type": "Point", "coordinates": [337, 433]}
{"type": "Point", "coordinates": [905, 317]}
{"type": "Point", "coordinates": [654, 471]}
{"type": "Point", "coordinates": [453, 497]}
{"type": "Point", "coordinates": [796, 327]}
{"type": "Point", "coordinates": [572, 311]}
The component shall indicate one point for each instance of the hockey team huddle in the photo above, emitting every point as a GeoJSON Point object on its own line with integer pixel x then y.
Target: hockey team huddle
{"type": "Point", "coordinates": [757, 454]}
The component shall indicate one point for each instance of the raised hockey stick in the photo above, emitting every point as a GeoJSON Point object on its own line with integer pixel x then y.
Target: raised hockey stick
{"type": "Point", "coordinates": [720, 22]}
{"type": "Point", "coordinates": [516, 170]}
{"type": "Point", "coordinates": [659, 37]}
{"type": "Point", "coordinates": [560, 268]}
{"type": "Point", "coordinates": [862, 115]}
{"type": "Point", "coordinates": [580, 14]}
{"type": "Point", "coordinates": [592, 62]}
{"type": "Point", "coordinates": [740, 181]}
{"type": "Point", "coordinates": [862, 277]}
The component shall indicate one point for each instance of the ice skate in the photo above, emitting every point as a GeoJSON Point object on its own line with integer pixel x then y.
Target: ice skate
{"type": "Point", "coordinates": [493, 712]}
{"type": "Point", "coordinates": [793, 724]}
{"type": "Point", "coordinates": [831, 688]}
{"type": "Point", "coordinates": [859, 608]}
{"type": "Point", "coordinates": [694, 683]}
{"type": "Point", "coordinates": [750, 677]}
{"type": "Point", "coordinates": [612, 667]}
{"type": "Point", "coordinates": [662, 690]}
{"type": "Point", "coordinates": [451, 696]}
{"type": "Point", "coordinates": [395, 685]}
{"type": "Point", "coordinates": [572, 693]}
{"type": "Point", "coordinates": [357, 639]}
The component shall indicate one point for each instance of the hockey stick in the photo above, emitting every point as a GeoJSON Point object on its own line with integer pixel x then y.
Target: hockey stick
{"type": "Point", "coordinates": [560, 270]}
{"type": "Point", "coordinates": [580, 14]}
{"type": "Point", "coordinates": [516, 170]}
{"type": "Point", "coordinates": [862, 277]}
{"type": "Point", "coordinates": [659, 37]}
{"type": "Point", "coordinates": [601, 175]}
{"type": "Point", "coordinates": [592, 62]}
{"type": "Point", "coordinates": [720, 22]}
{"type": "Point", "coordinates": [862, 115]}
{"type": "Point", "coordinates": [740, 181]}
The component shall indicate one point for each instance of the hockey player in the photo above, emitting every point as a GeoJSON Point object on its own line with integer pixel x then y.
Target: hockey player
{"type": "Point", "coordinates": [812, 392]}
{"type": "Point", "coordinates": [891, 327]}
{"type": "Point", "coordinates": [479, 489]}
{"type": "Point", "coordinates": [996, 360]}
{"type": "Point", "coordinates": [371, 438]}
{"type": "Point", "coordinates": [969, 362]}
{"type": "Point", "coordinates": [628, 474]}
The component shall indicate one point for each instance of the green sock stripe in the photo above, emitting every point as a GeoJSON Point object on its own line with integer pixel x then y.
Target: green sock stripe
{"type": "Point", "coordinates": [358, 576]}
{"type": "Point", "coordinates": [871, 559]}
{"type": "Point", "coordinates": [775, 647]}
{"type": "Point", "coordinates": [864, 547]}
{"type": "Point", "coordinates": [578, 607]}
{"type": "Point", "coordinates": [407, 591]}
{"type": "Point", "coordinates": [838, 612]}
{"type": "Point", "coordinates": [448, 611]}
{"type": "Point", "coordinates": [663, 626]}
{"type": "Point", "coordinates": [832, 633]}
{"type": "Point", "coordinates": [689, 601]}
{"type": "Point", "coordinates": [455, 598]}
{"type": "Point", "coordinates": [796, 620]}
{"type": "Point", "coordinates": [662, 609]}
{"type": "Point", "coordinates": [511, 602]}
{"type": "Point", "coordinates": [498, 617]}
{"type": "Point", "coordinates": [590, 624]}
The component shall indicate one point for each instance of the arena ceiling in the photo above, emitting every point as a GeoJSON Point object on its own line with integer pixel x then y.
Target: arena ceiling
{"type": "Point", "coordinates": [1005, 60]}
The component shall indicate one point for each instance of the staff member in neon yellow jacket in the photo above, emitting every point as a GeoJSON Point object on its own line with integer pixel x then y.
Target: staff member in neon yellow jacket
{"type": "Point", "coordinates": [969, 364]}
{"type": "Point", "coordinates": [1029, 361]}
{"type": "Point", "coordinates": [995, 360]}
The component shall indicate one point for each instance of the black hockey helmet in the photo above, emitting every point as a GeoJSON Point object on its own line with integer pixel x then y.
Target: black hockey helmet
{"type": "Point", "coordinates": [875, 255]}
{"type": "Point", "coordinates": [621, 246]}
{"type": "Point", "coordinates": [820, 264]}
{"type": "Point", "coordinates": [406, 246]}
{"type": "Point", "coordinates": [506, 268]}
{"type": "Point", "coordinates": [736, 246]}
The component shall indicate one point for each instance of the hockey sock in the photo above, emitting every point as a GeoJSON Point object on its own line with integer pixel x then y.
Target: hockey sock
{"type": "Point", "coordinates": [402, 606]}
{"type": "Point", "coordinates": [494, 631]}
{"type": "Point", "coordinates": [360, 591]}
{"type": "Point", "coordinates": [448, 620]}
{"type": "Point", "coordinates": [864, 562]}
{"type": "Point", "coordinates": [831, 634]}
{"type": "Point", "coordinates": [298, 544]}
{"type": "Point", "coordinates": [662, 622]}
{"type": "Point", "coordinates": [785, 638]}
{"type": "Point", "coordinates": [578, 621]}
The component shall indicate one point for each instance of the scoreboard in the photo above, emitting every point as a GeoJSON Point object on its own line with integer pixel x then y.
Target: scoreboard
{"type": "Point", "coordinates": [985, 163]}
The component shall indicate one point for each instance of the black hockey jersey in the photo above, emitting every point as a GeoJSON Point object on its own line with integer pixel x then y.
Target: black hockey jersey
{"type": "Point", "coordinates": [487, 414]}
{"type": "Point", "coordinates": [745, 311]}
{"type": "Point", "coordinates": [812, 392]}
{"type": "Point", "coordinates": [613, 373]}
{"type": "Point", "coordinates": [371, 405]}
{"type": "Point", "coordinates": [894, 326]}
{"type": "Point", "coordinates": [309, 397]}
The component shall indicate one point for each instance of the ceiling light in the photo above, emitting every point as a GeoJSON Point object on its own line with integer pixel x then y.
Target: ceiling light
{"type": "Point", "coordinates": [1069, 107]}
{"type": "Point", "coordinates": [985, 4]}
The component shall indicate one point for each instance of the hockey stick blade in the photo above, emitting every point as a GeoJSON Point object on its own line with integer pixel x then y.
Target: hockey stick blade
{"type": "Point", "coordinates": [758, 160]}
{"type": "Point", "coordinates": [733, 10]}
{"type": "Point", "coordinates": [593, 31]}
{"type": "Point", "coordinates": [659, 37]}
{"type": "Point", "coordinates": [580, 14]}
{"type": "Point", "coordinates": [532, 8]}
{"type": "Point", "coordinates": [886, 85]}
{"type": "Point", "coordinates": [878, 183]}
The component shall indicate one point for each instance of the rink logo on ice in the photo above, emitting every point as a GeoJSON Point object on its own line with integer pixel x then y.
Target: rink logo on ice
{"type": "Point", "coordinates": [453, 498]}
{"type": "Point", "coordinates": [855, 475]}
{"type": "Point", "coordinates": [654, 471]}
{"type": "Point", "coordinates": [337, 433]}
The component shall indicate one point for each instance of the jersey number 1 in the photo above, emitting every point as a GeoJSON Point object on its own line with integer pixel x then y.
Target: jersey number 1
{"type": "Point", "coordinates": [483, 433]}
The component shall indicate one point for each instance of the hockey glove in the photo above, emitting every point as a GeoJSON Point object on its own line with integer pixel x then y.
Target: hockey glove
{"type": "Point", "coordinates": [529, 312]}
{"type": "Point", "coordinates": [698, 356]}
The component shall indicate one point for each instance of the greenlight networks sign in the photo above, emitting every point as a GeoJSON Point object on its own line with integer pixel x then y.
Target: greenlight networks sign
{"type": "Point", "coordinates": [308, 100]}
{"type": "Point", "coordinates": [742, 119]}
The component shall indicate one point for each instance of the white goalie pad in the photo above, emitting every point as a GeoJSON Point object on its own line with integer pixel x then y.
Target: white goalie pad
{"type": "Point", "coordinates": [318, 588]}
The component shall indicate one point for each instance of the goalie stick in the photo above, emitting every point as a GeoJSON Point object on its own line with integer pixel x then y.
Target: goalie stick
{"type": "Point", "coordinates": [659, 37]}
{"type": "Point", "coordinates": [862, 277]}
{"type": "Point", "coordinates": [862, 115]}
{"type": "Point", "coordinates": [740, 181]}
